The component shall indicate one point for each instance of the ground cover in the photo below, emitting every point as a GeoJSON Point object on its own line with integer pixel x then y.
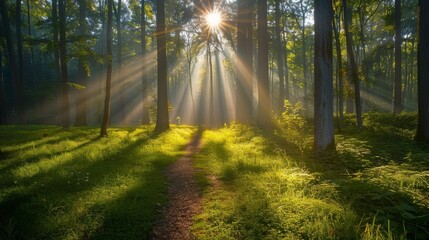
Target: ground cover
{"type": "Point", "coordinates": [272, 187]}
{"type": "Point", "coordinates": [73, 185]}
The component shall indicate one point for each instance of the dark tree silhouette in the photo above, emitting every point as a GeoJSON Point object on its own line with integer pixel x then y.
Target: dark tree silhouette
{"type": "Point", "coordinates": [145, 116]}
{"type": "Point", "coordinates": [397, 99]}
{"type": "Point", "coordinates": [323, 77]}
{"type": "Point", "coordinates": [82, 106]}
{"type": "Point", "coordinates": [279, 55]}
{"type": "Point", "coordinates": [162, 123]}
{"type": "Point", "coordinates": [65, 104]}
{"type": "Point", "coordinates": [422, 133]}
{"type": "Point", "coordinates": [20, 85]}
{"type": "Point", "coordinates": [106, 112]}
{"type": "Point", "coordinates": [264, 105]}
{"type": "Point", "coordinates": [353, 65]}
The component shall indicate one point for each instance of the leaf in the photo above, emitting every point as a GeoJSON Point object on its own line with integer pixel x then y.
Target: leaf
{"type": "Point", "coordinates": [76, 86]}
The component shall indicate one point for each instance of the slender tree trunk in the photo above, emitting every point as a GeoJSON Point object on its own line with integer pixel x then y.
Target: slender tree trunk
{"type": "Point", "coordinates": [162, 121]}
{"type": "Point", "coordinates": [264, 106]}
{"type": "Point", "coordinates": [339, 72]}
{"type": "Point", "coordinates": [81, 108]}
{"type": "Point", "coordinates": [211, 121]}
{"type": "Point", "coordinates": [323, 78]}
{"type": "Point", "coordinates": [3, 104]}
{"type": "Point", "coordinates": [106, 112]}
{"type": "Point", "coordinates": [10, 50]}
{"type": "Point", "coordinates": [279, 54]}
{"type": "Point", "coordinates": [145, 84]}
{"type": "Point", "coordinates": [63, 64]}
{"type": "Point", "coordinates": [397, 100]}
{"type": "Point", "coordinates": [422, 133]}
{"type": "Point", "coordinates": [304, 64]}
{"type": "Point", "coordinates": [353, 66]}
{"type": "Point", "coordinates": [244, 82]}
{"type": "Point", "coordinates": [20, 85]}
{"type": "Point", "coordinates": [120, 65]}
{"type": "Point", "coordinates": [57, 68]}
{"type": "Point", "coordinates": [29, 30]}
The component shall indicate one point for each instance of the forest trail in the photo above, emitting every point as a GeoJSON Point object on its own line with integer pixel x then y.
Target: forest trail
{"type": "Point", "coordinates": [184, 201]}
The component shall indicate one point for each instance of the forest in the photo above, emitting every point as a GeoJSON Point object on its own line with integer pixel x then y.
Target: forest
{"type": "Point", "coordinates": [214, 119]}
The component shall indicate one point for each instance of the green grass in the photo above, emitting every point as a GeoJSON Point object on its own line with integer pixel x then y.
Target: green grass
{"type": "Point", "coordinates": [273, 187]}
{"type": "Point", "coordinates": [73, 185]}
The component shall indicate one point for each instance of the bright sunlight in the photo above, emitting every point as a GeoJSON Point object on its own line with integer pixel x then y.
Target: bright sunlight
{"type": "Point", "coordinates": [213, 19]}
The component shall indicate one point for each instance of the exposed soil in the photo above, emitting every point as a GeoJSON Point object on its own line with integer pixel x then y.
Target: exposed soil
{"type": "Point", "coordinates": [184, 200]}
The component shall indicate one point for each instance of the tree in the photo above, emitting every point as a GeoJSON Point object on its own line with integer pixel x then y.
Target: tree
{"type": "Point", "coordinates": [279, 55]}
{"type": "Point", "coordinates": [120, 64]}
{"type": "Point", "coordinates": [422, 133]}
{"type": "Point", "coordinates": [145, 84]}
{"type": "Point", "coordinates": [81, 108]}
{"type": "Point", "coordinates": [162, 123]}
{"type": "Point", "coordinates": [353, 65]}
{"type": "Point", "coordinates": [397, 100]}
{"type": "Point", "coordinates": [106, 112]}
{"type": "Point", "coordinates": [340, 82]}
{"type": "Point", "coordinates": [244, 83]}
{"type": "Point", "coordinates": [10, 49]}
{"type": "Point", "coordinates": [323, 77]}
{"type": "Point", "coordinates": [65, 110]}
{"type": "Point", "coordinates": [20, 85]}
{"type": "Point", "coordinates": [264, 105]}
{"type": "Point", "coordinates": [3, 105]}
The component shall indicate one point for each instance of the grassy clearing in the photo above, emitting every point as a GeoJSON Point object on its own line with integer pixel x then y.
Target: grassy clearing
{"type": "Point", "coordinates": [73, 185]}
{"type": "Point", "coordinates": [272, 187]}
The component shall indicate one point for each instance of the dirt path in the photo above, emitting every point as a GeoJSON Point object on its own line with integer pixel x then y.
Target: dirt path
{"type": "Point", "coordinates": [184, 199]}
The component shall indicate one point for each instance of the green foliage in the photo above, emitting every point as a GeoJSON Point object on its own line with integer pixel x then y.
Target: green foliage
{"type": "Point", "coordinates": [292, 123]}
{"type": "Point", "coordinates": [73, 185]}
{"type": "Point", "coordinates": [375, 187]}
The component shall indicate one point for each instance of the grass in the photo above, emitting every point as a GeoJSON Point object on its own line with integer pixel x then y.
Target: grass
{"type": "Point", "coordinates": [73, 185]}
{"type": "Point", "coordinates": [273, 187]}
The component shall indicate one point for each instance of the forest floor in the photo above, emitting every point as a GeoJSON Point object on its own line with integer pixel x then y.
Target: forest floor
{"type": "Point", "coordinates": [184, 199]}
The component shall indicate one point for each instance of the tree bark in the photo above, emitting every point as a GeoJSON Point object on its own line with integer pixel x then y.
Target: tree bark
{"type": "Point", "coordinates": [339, 72]}
{"type": "Point", "coordinates": [81, 108]}
{"type": "Point", "coordinates": [120, 79]}
{"type": "Point", "coordinates": [353, 66]}
{"type": "Point", "coordinates": [57, 68]}
{"type": "Point", "coordinates": [279, 54]}
{"type": "Point", "coordinates": [20, 84]}
{"type": "Point", "coordinates": [244, 83]}
{"type": "Point", "coordinates": [3, 104]}
{"type": "Point", "coordinates": [145, 85]}
{"type": "Point", "coordinates": [10, 50]}
{"type": "Point", "coordinates": [162, 121]}
{"type": "Point", "coordinates": [397, 100]}
{"type": "Point", "coordinates": [422, 133]}
{"type": "Point", "coordinates": [323, 78]}
{"type": "Point", "coordinates": [65, 110]}
{"type": "Point", "coordinates": [106, 112]}
{"type": "Point", "coordinates": [264, 105]}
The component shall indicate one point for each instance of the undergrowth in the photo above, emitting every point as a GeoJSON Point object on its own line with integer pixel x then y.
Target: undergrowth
{"type": "Point", "coordinates": [272, 187]}
{"type": "Point", "coordinates": [73, 185]}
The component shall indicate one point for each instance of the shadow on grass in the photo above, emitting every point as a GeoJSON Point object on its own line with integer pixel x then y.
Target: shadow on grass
{"type": "Point", "coordinates": [63, 194]}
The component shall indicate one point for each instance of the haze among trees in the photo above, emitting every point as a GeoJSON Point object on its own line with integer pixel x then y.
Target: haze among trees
{"type": "Point", "coordinates": [313, 76]}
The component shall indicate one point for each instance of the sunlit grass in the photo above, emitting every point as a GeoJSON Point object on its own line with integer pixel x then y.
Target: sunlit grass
{"type": "Point", "coordinates": [273, 187]}
{"type": "Point", "coordinates": [74, 185]}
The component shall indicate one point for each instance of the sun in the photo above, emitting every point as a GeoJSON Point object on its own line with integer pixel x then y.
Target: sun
{"type": "Point", "coordinates": [213, 19]}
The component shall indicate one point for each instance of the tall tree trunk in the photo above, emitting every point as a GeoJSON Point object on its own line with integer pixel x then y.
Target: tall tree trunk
{"type": "Point", "coordinates": [162, 121]}
{"type": "Point", "coordinates": [106, 112]}
{"type": "Point", "coordinates": [63, 64]}
{"type": "Point", "coordinates": [57, 68]}
{"type": "Point", "coordinates": [397, 101]}
{"type": "Point", "coordinates": [20, 85]}
{"type": "Point", "coordinates": [29, 30]}
{"type": "Point", "coordinates": [323, 78]}
{"type": "Point", "coordinates": [81, 108]}
{"type": "Point", "coordinates": [3, 104]}
{"type": "Point", "coordinates": [120, 64]}
{"type": "Point", "coordinates": [264, 105]}
{"type": "Point", "coordinates": [279, 54]}
{"type": "Point", "coordinates": [353, 66]}
{"type": "Point", "coordinates": [10, 50]}
{"type": "Point", "coordinates": [339, 71]}
{"type": "Point", "coordinates": [244, 82]}
{"type": "Point", "coordinates": [422, 133]}
{"type": "Point", "coordinates": [145, 84]}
